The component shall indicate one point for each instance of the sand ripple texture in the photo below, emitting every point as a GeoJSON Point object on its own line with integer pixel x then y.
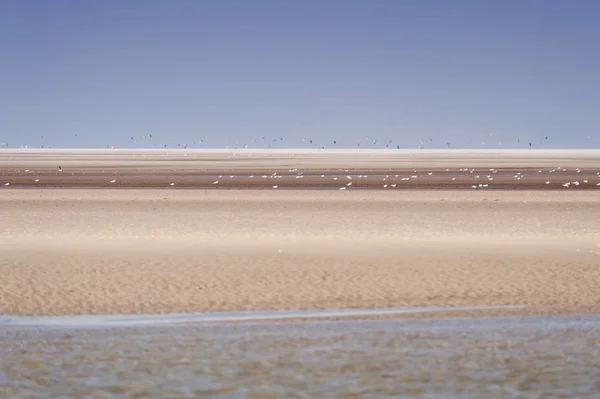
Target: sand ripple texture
{"type": "Point", "coordinates": [160, 251]}
{"type": "Point", "coordinates": [474, 358]}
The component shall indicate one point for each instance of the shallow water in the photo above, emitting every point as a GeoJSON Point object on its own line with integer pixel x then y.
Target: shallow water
{"type": "Point", "coordinates": [93, 321]}
{"type": "Point", "coordinates": [510, 357]}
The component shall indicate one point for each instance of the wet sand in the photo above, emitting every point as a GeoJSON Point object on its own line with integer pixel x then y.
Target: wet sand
{"type": "Point", "coordinates": [298, 169]}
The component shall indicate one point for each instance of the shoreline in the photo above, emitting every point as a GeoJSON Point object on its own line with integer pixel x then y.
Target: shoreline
{"type": "Point", "coordinates": [120, 320]}
{"type": "Point", "coordinates": [262, 317]}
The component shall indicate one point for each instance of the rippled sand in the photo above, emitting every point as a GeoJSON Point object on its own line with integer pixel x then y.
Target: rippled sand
{"type": "Point", "coordinates": [483, 358]}
{"type": "Point", "coordinates": [163, 251]}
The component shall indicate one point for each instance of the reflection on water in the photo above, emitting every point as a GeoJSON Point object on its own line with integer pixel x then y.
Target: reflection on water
{"type": "Point", "coordinates": [511, 357]}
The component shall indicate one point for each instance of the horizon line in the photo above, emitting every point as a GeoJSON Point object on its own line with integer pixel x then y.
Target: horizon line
{"type": "Point", "coordinates": [306, 150]}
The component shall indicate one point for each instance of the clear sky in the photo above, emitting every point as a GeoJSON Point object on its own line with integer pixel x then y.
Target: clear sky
{"type": "Point", "coordinates": [94, 73]}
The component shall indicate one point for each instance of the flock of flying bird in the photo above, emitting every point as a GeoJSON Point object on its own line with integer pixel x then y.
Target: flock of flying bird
{"type": "Point", "coordinates": [386, 182]}
{"type": "Point", "coordinates": [149, 141]}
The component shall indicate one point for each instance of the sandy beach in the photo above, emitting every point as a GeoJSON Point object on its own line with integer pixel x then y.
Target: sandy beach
{"type": "Point", "coordinates": [78, 250]}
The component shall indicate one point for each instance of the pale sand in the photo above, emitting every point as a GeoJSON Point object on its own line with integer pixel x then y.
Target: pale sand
{"type": "Point", "coordinates": [162, 251]}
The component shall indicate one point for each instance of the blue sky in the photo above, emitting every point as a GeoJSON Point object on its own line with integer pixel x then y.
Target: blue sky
{"type": "Point", "coordinates": [472, 73]}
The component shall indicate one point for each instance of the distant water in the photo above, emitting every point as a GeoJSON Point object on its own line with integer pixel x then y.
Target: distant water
{"type": "Point", "coordinates": [467, 358]}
